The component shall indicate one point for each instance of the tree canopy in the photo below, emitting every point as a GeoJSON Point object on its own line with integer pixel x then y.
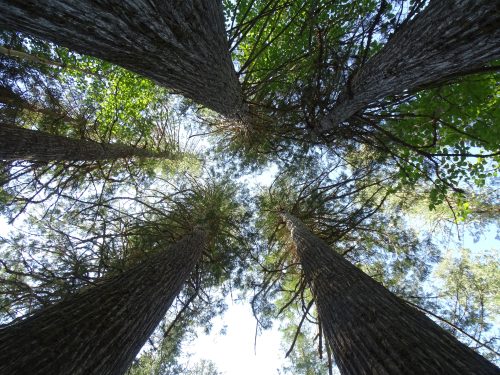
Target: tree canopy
{"type": "Point", "coordinates": [391, 180]}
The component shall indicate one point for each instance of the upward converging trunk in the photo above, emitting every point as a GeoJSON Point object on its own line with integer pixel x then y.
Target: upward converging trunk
{"type": "Point", "coordinates": [370, 330]}
{"type": "Point", "coordinates": [100, 330]}
{"type": "Point", "coordinates": [447, 39]}
{"type": "Point", "coordinates": [18, 143]}
{"type": "Point", "coordinates": [180, 44]}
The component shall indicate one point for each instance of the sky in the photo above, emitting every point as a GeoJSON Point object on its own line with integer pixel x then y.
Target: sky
{"type": "Point", "coordinates": [234, 352]}
{"type": "Point", "coordinates": [238, 350]}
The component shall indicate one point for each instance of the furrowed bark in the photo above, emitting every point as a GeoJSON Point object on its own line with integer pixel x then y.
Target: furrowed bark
{"type": "Point", "coordinates": [446, 40]}
{"type": "Point", "coordinates": [18, 143]}
{"type": "Point", "coordinates": [101, 329]}
{"type": "Point", "coordinates": [181, 44]}
{"type": "Point", "coordinates": [369, 329]}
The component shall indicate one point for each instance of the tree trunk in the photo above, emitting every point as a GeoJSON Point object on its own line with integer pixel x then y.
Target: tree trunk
{"type": "Point", "coordinates": [101, 329]}
{"type": "Point", "coordinates": [18, 143]}
{"type": "Point", "coordinates": [370, 330]}
{"type": "Point", "coordinates": [447, 39]}
{"type": "Point", "coordinates": [180, 44]}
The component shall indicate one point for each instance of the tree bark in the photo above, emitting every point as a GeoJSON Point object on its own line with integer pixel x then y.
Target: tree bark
{"type": "Point", "coordinates": [370, 330]}
{"type": "Point", "coordinates": [101, 329]}
{"type": "Point", "coordinates": [180, 44]}
{"type": "Point", "coordinates": [447, 39]}
{"type": "Point", "coordinates": [18, 143]}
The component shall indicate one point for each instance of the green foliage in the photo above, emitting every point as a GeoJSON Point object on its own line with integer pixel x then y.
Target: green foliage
{"type": "Point", "coordinates": [203, 367]}
{"type": "Point", "coordinates": [304, 359]}
{"type": "Point", "coordinates": [468, 286]}
{"type": "Point", "coordinates": [445, 134]}
{"type": "Point", "coordinates": [274, 37]}
{"type": "Point", "coordinates": [293, 57]}
{"type": "Point", "coordinates": [84, 97]}
{"type": "Point", "coordinates": [77, 96]}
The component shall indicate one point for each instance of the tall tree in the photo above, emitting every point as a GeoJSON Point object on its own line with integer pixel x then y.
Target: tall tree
{"type": "Point", "coordinates": [369, 329]}
{"type": "Point", "coordinates": [299, 57]}
{"type": "Point", "coordinates": [82, 239]}
{"type": "Point", "coordinates": [18, 143]}
{"type": "Point", "coordinates": [447, 39]}
{"type": "Point", "coordinates": [181, 45]}
{"type": "Point", "coordinates": [101, 329]}
{"type": "Point", "coordinates": [127, 119]}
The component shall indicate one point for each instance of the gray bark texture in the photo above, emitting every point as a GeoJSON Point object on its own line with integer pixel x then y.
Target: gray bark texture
{"type": "Point", "coordinates": [181, 44]}
{"type": "Point", "coordinates": [369, 329]}
{"type": "Point", "coordinates": [100, 330]}
{"type": "Point", "coordinates": [449, 38]}
{"type": "Point", "coordinates": [18, 143]}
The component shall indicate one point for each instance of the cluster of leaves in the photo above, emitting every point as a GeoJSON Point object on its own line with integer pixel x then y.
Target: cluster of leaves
{"type": "Point", "coordinates": [79, 96]}
{"type": "Point", "coordinates": [447, 135]}
{"type": "Point", "coordinates": [294, 60]}
{"type": "Point", "coordinates": [76, 96]}
{"type": "Point", "coordinates": [292, 57]}
{"type": "Point", "coordinates": [295, 57]}
{"type": "Point", "coordinates": [202, 367]}
{"type": "Point", "coordinates": [470, 296]}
